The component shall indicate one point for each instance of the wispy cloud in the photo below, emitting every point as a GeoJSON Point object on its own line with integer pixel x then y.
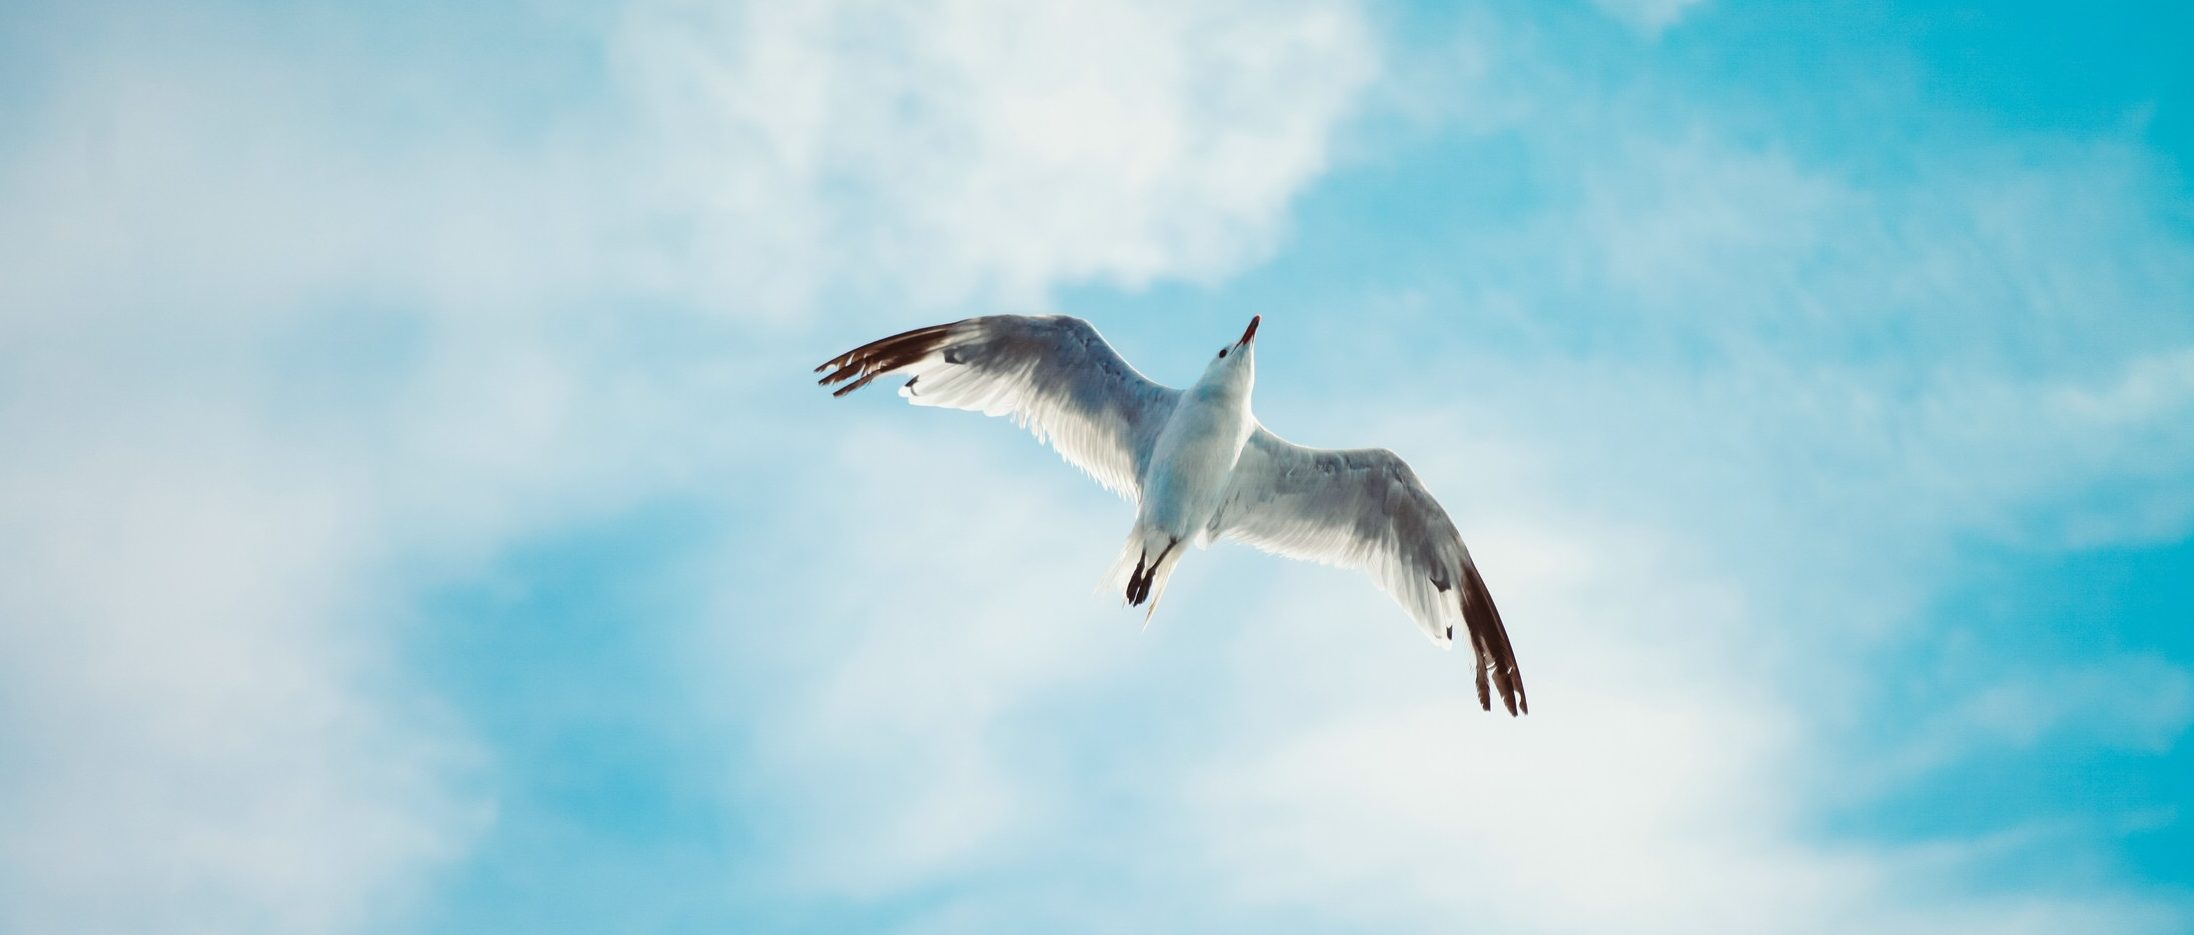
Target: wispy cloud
{"type": "Point", "coordinates": [293, 335]}
{"type": "Point", "coordinates": [943, 151]}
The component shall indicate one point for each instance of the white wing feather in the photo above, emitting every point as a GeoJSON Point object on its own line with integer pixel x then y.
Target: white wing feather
{"type": "Point", "coordinates": [1364, 508]}
{"type": "Point", "coordinates": [1054, 375]}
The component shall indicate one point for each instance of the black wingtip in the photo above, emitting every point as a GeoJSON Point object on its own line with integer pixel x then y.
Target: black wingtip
{"type": "Point", "coordinates": [1489, 643]}
{"type": "Point", "coordinates": [876, 358]}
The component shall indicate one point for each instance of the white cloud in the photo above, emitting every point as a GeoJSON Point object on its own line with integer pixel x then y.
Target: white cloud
{"type": "Point", "coordinates": [989, 149]}
{"type": "Point", "coordinates": [217, 512]}
{"type": "Point", "coordinates": [192, 738]}
{"type": "Point", "coordinates": [2141, 703]}
{"type": "Point", "coordinates": [893, 748]}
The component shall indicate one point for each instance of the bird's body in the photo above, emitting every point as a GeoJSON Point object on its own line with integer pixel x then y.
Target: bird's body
{"type": "Point", "coordinates": [1191, 467]}
{"type": "Point", "coordinates": [1194, 459]}
{"type": "Point", "coordinates": [1199, 467]}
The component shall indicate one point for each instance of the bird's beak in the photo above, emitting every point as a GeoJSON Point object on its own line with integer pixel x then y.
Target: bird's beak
{"type": "Point", "coordinates": [1247, 336]}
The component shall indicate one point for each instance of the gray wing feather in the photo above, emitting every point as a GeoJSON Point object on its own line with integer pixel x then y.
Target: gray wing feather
{"type": "Point", "coordinates": [1054, 375]}
{"type": "Point", "coordinates": [1364, 508]}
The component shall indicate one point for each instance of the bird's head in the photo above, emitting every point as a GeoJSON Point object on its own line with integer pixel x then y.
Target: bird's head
{"type": "Point", "coordinates": [1235, 366]}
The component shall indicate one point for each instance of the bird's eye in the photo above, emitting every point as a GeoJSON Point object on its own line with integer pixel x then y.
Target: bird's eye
{"type": "Point", "coordinates": [1222, 352]}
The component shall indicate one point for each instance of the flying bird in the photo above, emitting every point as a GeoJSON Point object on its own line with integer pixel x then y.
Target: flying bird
{"type": "Point", "coordinates": [1199, 467]}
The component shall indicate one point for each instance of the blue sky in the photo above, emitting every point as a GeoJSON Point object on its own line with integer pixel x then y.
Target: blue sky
{"type": "Point", "coordinates": [418, 515]}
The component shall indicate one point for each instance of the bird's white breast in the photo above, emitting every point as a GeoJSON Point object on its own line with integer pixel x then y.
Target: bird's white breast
{"type": "Point", "coordinates": [1193, 461]}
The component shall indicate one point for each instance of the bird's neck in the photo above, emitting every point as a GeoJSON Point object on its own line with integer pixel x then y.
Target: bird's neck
{"type": "Point", "coordinates": [1226, 389]}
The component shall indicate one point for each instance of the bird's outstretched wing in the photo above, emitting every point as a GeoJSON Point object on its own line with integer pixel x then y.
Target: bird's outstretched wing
{"type": "Point", "coordinates": [1363, 508]}
{"type": "Point", "coordinates": [1052, 374]}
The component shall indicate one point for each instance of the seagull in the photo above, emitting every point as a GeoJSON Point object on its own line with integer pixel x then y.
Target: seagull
{"type": "Point", "coordinates": [1199, 467]}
